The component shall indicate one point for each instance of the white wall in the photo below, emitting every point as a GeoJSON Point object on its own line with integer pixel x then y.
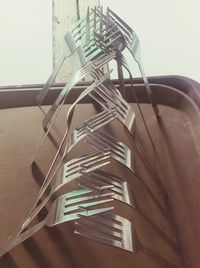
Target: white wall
{"type": "Point", "coordinates": [169, 32]}
{"type": "Point", "coordinates": [25, 41]}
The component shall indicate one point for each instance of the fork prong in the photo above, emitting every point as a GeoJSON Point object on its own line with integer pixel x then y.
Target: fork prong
{"type": "Point", "coordinates": [104, 231]}
{"type": "Point", "coordinates": [107, 241]}
{"type": "Point", "coordinates": [106, 177]}
{"type": "Point", "coordinates": [109, 140]}
{"type": "Point", "coordinates": [112, 96]}
{"type": "Point", "coordinates": [103, 119]}
{"type": "Point", "coordinates": [98, 143]}
{"type": "Point", "coordinates": [77, 192]}
{"type": "Point", "coordinates": [123, 23]}
{"type": "Point", "coordinates": [100, 229]}
{"type": "Point", "coordinates": [122, 193]}
{"type": "Point", "coordinates": [110, 89]}
{"type": "Point", "coordinates": [86, 157]}
{"type": "Point", "coordinates": [97, 124]}
{"type": "Point", "coordinates": [106, 142]}
{"type": "Point", "coordinates": [101, 219]}
{"type": "Point", "coordinates": [100, 180]}
{"type": "Point", "coordinates": [92, 185]}
{"type": "Point", "coordinates": [78, 75]}
{"type": "Point", "coordinates": [89, 213]}
{"type": "Point", "coordinates": [87, 205]}
{"type": "Point", "coordinates": [117, 194]}
{"type": "Point", "coordinates": [86, 198]}
{"type": "Point", "coordinates": [87, 165]}
{"type": "Point", "coordinates": [93, 119]}
{"type": "Point", "coordinates": [107, 136]}
{"type": "Point", "coordinates": [106, 103]}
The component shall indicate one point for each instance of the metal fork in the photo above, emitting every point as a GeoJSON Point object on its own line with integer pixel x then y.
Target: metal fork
{"type": "Point", "coordinates": [87, 49]}
{"type": "Point", "coordinates": [89, 67]}
{"type": "Point", "coordinates": [70, 51]}
{"type": "Point", "coordinates": [74, 168]}
{"type": "Point", "coordinates": [122, 154]}
{"type": "Point", "coordinates": [118, 150]}
{"type": "Point", "coordinates": [63, 175]}
{"type": "Point", "coordinates": [107, 98]}
{"type": "Point", "coordinates": [67, 173]}
{"type": "Point", "coordinates": [137, 143]}
{"type": "Point", "coordinates": [109, 229]}
{"type": "Point", "coordinates": [84, 57]}
{"type": "Point", "coordinates": [59, 213]}
{"type": "Point", "coordinates": [88, 31]}
{"type": "Point", "coordinates": [99, 180]}
{"type": "Point", "coordinates": [132, 43]}
{"type": "Point", "coordinates": [90, 125]}
{"type": "Point", "coordinates": [71, 109]}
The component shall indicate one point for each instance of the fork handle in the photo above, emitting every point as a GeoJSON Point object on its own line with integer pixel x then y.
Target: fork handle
{"type": "Point", "coordinates": [22, 237]}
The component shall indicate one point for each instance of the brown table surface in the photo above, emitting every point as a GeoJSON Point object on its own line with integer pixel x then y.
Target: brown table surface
{"type": "Point", "coordinates": [167, 226]}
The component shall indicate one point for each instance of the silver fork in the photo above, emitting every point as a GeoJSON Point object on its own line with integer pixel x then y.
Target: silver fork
{"type": "Point", "coordinates": [67, 173]}
{"type": "Point", "coordinates": [118, 150]}
{"type": "Point", "coordinates": [109, 97]}
{"type": "Point", "coordinates": [71, 50]}
{"type": "Point", "coordinates": [137, 143]}
{"type": "Point", "coordinates": [122, 154]}
{"type": "Point", "coordinates": [109, 229]}
{"type": "Point", "coordinates": [91, 162]}
{"type": "Point", "coordinates": [132, 43]}
{"type": "Point", "coordinates": [74, 168]}
{"type": "Point", "coordinates": [88, 31]}
{"type": "Point", "coordinates": [59, 213]}
{"type": "Point", "coordinates": [82, 55]}
{"type": "Point", "coordinates": [86, 49]}
{"type": "Point", "coordinates": [89, 126]}
{"type": "Point", "coordinates": [90, 66]}
{"type": "Point", "coordinates": [71, 109]}
{"type": "Point", "coordinates": [99, 180]}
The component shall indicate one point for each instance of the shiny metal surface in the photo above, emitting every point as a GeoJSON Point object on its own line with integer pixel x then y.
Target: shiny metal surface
{"type": "Point", "coordinates": [71, 109]}
{"type": "Point", "coordinates": [81, 71]}
{"type": "Point", "coordinates": [59, 213]}
{"type": "Point", "coordinates": [110, 98]}
{"type": "Point", "coordinates": [93, 42]}
{"type": "Point", "coordinates": [109, 229]}
{"type": "Point", "coordinates": [92, 124]}
{"type": "Point", "coordinates": [99, 180]}
{"type": "Point", "coordinates": [132, 43]}
{"type": "Point", "coordinates": [118, 151]}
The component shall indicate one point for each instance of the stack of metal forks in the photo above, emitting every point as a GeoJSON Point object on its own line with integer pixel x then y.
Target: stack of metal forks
{"type": "Point", "coordinates": [93, 204]}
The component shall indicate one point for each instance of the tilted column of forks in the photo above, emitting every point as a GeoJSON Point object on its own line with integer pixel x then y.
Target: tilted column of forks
{"type": "Point", "coordinates": [94, 41]}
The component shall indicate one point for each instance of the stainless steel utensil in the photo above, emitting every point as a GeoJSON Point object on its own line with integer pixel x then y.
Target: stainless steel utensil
{"type": "Point", "coordinates": [133, 45]}
{"type": "Point", "coordinates": [73, 169]}
{"type": "Point", "coordinates": [118, 151]}
{"type": "Point", "coordinates": [59, 213]}
{"type": "Point", "coordinates": [81, 72]}
{"type": "Point", "coordinates": [71, 109]}
{"type": "Point", "coordinates": [110, 99]}
{"type": "Point", "coordinates": [109, 229]}
{"type": "Point", "coordinates": [89, 126]}
{"type": "Point", "coordinates": [99, 180]}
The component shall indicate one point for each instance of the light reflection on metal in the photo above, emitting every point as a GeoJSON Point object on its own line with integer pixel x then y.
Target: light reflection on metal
{"type": "Point", "coordinates": [93, 41]}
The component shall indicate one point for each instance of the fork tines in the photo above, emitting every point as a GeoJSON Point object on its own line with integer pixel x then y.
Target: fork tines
{"type": "Point", "coordinates": [89, 126]}
{"type": "Point", "coordinates": [118, 150]}
{"type": "Point", "coordinates": [108, 97]}
{"type": "Point", "coordinates": [100, 181]}
{"type": "Point", "coordinates": [73, 168]}
{"type": "Point", "coordinates": [109, 229]}
{"type": "Point", "coordinates": [89, 67]}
